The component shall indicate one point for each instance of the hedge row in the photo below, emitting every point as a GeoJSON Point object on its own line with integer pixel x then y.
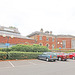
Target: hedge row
{"type": "Point", "coordinates": [5, 49]}
{"type": "Point", "coordinates": [23, 55]}
{"type": "Point", "coordinates": [3, 55]}
{"type": "Point", "coordinates": [19, 55]}
{"type": "Point", "coordinates": [27, 48]}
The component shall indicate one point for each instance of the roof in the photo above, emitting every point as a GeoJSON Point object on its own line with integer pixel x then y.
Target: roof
{"type": "Point", "coordinates": [16, 36]}
{"type": "Point", "coordinates": [48, 34]}
{"type": "Point", "coordinates": [8, 29]}
{"type": "Point", "coordinates": [39, 33]}
{"type": "Point", "coordinates": [66, 36]}
{"type": "Point", "coordinates": [11, 32]}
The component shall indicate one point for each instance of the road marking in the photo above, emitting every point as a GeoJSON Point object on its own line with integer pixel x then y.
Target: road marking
{"type": "Point", "coordinates": [32, 63]}
{"type": "Point", "coordinates": [11, 64]}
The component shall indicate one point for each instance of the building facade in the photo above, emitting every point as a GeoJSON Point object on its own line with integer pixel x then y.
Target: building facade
{"type": "Point", "coordinates": [13, 37]}
{"type": "Point", "coordinates": [53, 41]}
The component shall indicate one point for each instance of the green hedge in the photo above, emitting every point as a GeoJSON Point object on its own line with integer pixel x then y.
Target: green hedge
{"type": "Point", "coordinates": [29, 48]}
{"type": "Point", "coordinates": [26, 48]}
{"type": "Point", "coordinates": [5, 49]}
{"type": "Point", "coordinates": [3, 55]}
{"type": "Point", "coordinates": [23, 55]}
{"type": "Point", "coordinates": [19, 55]}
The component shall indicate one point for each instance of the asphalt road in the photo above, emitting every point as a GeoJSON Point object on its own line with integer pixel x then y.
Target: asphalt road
{"type": "Point", "coordinates": [37, 67]}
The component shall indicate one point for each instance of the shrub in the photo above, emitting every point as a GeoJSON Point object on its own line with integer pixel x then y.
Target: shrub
{"type": "Point", "coordinates": [29, 48]}
{"type": "Point", "coordinates": [23, 55]}
{"type": "Point", "coordinates": [5, 49]}
{"type": "Point", "coordinates": [3, 55]}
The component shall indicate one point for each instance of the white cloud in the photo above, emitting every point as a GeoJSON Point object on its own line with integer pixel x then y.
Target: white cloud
{"type": "Point", "coordinates": [31, 15]}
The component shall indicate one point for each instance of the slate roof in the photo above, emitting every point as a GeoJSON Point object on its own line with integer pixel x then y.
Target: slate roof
{"type": "Point", "coordinates": [43, 33]}
{"type": "Point", "coordinates": [9, 32]}
{"type": "Point", "coordinates": [8, 29]}
{"type": "Point", "coordinates": [65, 36]}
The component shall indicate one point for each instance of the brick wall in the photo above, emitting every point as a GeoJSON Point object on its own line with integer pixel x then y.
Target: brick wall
{"type": "Point", "coordinates": [16, 40]}
{"type": "Point", "coordinates": [67, 40]}
{"type": "Point", "coordinates": [43, 41]}
{"type": "Point", "coordinates": [55, 43]}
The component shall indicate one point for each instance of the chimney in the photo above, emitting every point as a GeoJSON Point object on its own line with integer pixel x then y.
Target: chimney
{"type": "Point", "coordinates": [50, 32]}
{"type": "Point", "coordinates": [47, 32]}
{"type": "Point", "coordinates": [41, 30]}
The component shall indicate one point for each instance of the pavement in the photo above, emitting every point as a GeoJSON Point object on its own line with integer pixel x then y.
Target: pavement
{"type": "Point", "coordinates": [37, 67]}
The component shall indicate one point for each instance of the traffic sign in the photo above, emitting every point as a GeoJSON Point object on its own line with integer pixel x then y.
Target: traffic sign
{"type": "Point", "coordinates": [7, 44]}
{"type": "Point", "coordinates": [59, 47]}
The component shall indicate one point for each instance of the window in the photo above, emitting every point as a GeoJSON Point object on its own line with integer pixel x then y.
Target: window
{"type": "Point", "coordinates": [40, 44]}
{"type": "Point", "coordinates": [64, 44]}
{"type": "Point", "coordinates": [40, 37]}
{"type": "Point", "coordinates": [58, 42]}
{"type": "Point", "coordinates": [47, 45]}
{"type": "Point", "coordinates": [52, 39]}
{"type": "Point", "coordinates": [47, 39]}
{"type": "Point", "coordinates": [53, 46]}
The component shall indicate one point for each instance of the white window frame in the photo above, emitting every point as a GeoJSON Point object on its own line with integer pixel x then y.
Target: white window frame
{"type": "Point", "coordinates": [40, 38]}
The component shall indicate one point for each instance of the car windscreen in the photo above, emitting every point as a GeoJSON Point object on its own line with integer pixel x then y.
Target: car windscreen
{"type": "Point", "coordinates": [70, 53]}
{"type": "Point", "coordinates": [54, 54]}
{"type": "Point", "coordinates": [47, 53]}
{"type": "Point", "coordinates": [44, 53]}
{"type": "Point", "coordinates": [59, 53]}
{"type": "Point", "coordinates": [66, 54]}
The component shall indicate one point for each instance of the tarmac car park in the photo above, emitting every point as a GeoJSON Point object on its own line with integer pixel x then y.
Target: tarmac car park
{"type": "Point", "coordinates": [37, 67]}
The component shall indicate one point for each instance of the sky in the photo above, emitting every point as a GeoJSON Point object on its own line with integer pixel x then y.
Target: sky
{"type": "Point", "coordinates": [28, 16]}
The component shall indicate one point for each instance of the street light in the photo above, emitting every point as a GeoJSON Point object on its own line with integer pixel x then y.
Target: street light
{"type": "Point", "coordinates": [7, 44]}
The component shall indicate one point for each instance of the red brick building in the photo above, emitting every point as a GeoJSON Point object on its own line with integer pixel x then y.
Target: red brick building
{"type": "Point", "coordinates": [13, 36]}
{"type": "Point", "coordinates": [53, 41]}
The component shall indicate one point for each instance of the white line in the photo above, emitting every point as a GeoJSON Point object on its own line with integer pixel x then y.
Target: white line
{"type": "Point", "coordinates": [32, 63]}
{"type": "Point", "coordinates": [11, 64]}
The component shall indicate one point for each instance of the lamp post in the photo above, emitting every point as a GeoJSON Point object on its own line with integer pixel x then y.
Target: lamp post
{"type": "Point", "coordinates": [7, 44]}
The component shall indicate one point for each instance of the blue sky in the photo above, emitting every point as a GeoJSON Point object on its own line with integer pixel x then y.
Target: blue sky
{"type": "Point", "coordinates": [31, 15]}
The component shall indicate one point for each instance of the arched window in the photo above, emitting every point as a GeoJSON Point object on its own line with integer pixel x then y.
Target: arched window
{"type": "Point", "coordinates": [40, 44]}
{"type": "Point", "coordinates": [47, 45]}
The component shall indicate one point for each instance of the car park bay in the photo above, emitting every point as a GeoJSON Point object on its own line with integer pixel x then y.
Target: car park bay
{"type": "Point", "coordinates": [37, 67]}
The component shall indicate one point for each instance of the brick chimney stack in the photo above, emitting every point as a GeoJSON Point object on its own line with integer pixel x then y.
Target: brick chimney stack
{"type": "Point", "coordinates": [41, 30]}
{"type": "Point", "coordinates": [50, 32]}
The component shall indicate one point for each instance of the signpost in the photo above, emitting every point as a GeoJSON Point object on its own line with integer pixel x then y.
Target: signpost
{"type": "Point", "coordinates": [59, 47]}
{"type": "Point", "coordinates": [7, 44]}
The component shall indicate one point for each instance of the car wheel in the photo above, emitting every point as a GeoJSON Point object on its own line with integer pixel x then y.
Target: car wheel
{"type": "Point", "coordinates": [65, 60]}
{"type": "Point", "coordinates": [47, 59]}
{"type": "Point", "coordinates": [73, 58]}
{"type": "Point", "coordinates": [38, 57]}
{"type": "Point", "coordinates": [54, 60]}
{"type": "Point", "coordinates": [59, 58]}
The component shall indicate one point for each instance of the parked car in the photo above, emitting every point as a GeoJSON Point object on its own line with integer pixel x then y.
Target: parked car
{"type": "Point", "coordinates": [62, 56]}
{"type": "Point", "coordinates": [48, 56]}
{"type": "Point", "coordinates": [72, 56]}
